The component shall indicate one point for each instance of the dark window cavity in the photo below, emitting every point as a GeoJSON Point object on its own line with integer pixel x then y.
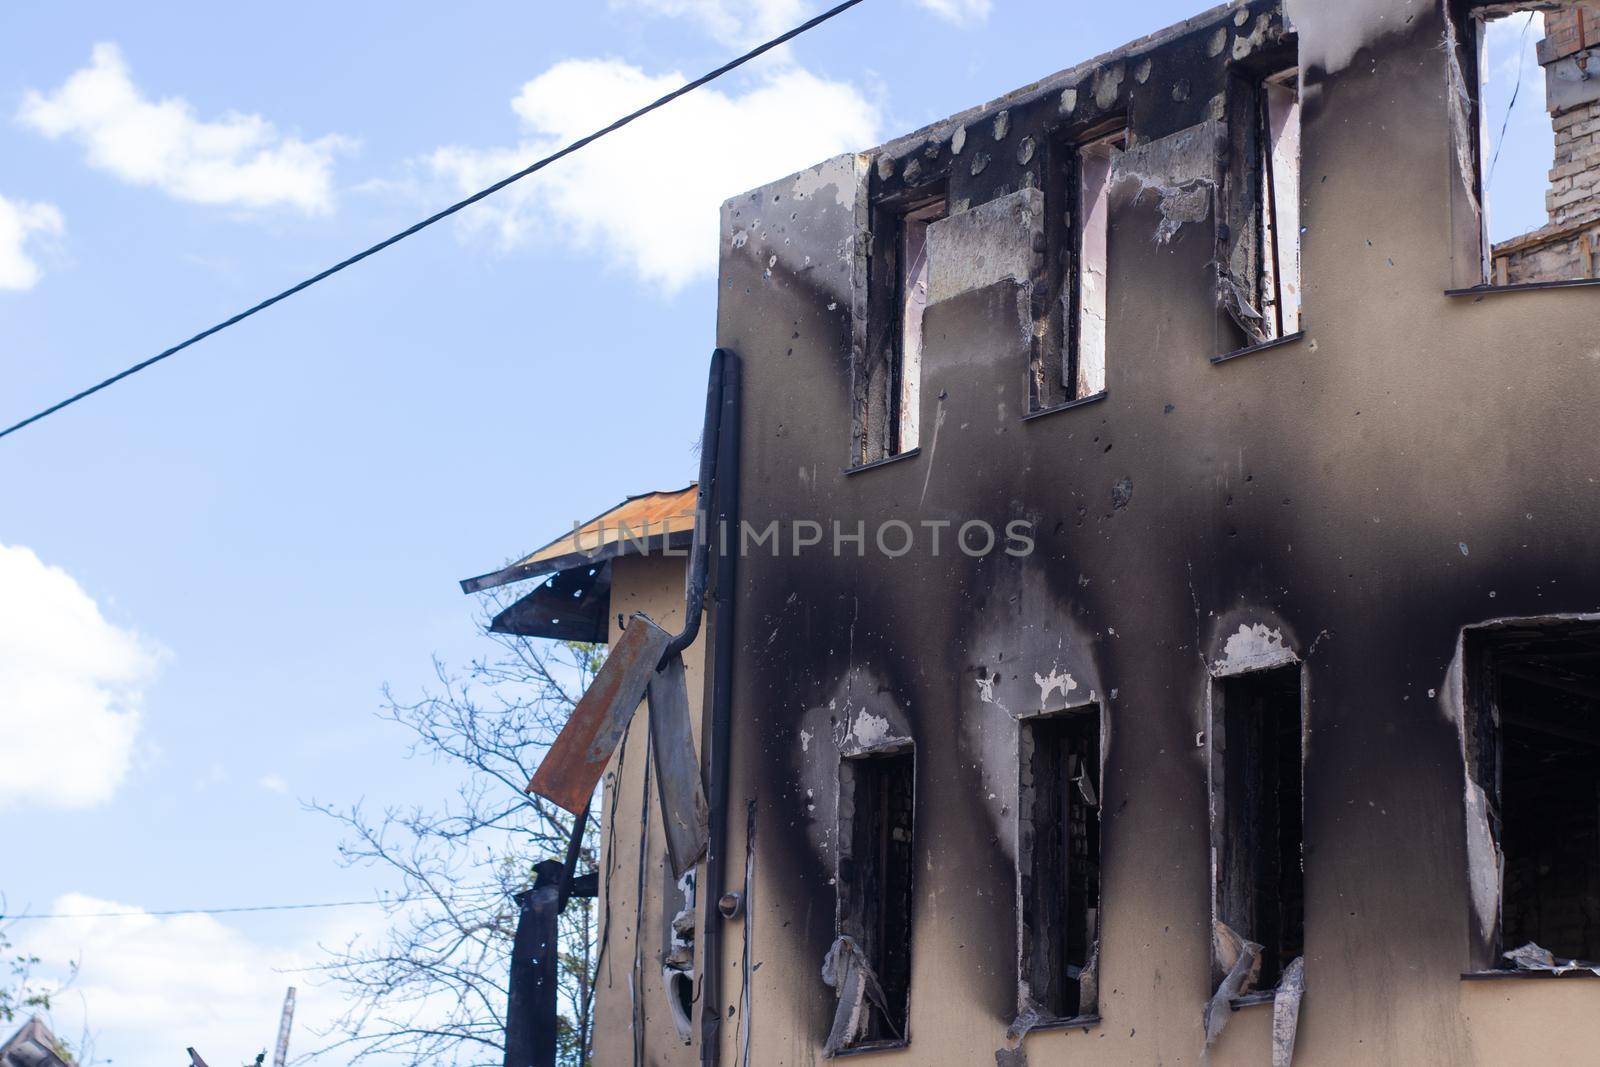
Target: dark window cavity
{"type": "Point", "coordinates": [1070, 361]}
{"type": "Point", "coordinates": [1259, 254]}
{"type": "Point", "coordinates": [889, 383]}
{"type": "Point", "coordinates": [1533, 746]}
{"type": "Point", "coordinates": [1256, 760]}
{"type": "Point", "coordinates": [877, 804]}
{"type": "Point", "coordinates": [1059, 862]}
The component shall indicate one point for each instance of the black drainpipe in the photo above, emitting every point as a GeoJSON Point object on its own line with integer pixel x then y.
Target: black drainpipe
{"type": "Point", "coordinates": [725, 534]}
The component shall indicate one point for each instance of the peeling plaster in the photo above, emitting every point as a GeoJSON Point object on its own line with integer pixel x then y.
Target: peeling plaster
{"type": "Point", "coordinates": [986, 692]}
{"type": "Point", "coordinates": [1181, 170]}
{"type": "Point", "coordinates": [1107, 84]}
{"type": "Point", "coordinates": [1049, 683]}
{"type": "Point", "coordinates": [1244, 44]}
{"type": "Point", "coordinates": [812, 183]}
{"type": "Point", "coordinates": [1253, 647]}
{"type": "Point", "coordinates": [868, 732]}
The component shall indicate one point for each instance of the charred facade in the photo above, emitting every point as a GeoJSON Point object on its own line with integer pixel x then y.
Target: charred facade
{"type": "Point", "coordinates": [1263, 725]}
{"type": "Point", "coordinates": [1301, 447]}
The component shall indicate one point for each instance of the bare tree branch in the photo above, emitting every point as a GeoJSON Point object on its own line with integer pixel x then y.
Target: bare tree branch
{"type": "Point", "coordinates": [432, 989]}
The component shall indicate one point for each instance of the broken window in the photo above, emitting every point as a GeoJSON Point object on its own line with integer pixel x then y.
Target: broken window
{"type": "Point", "coordinates": [1256, 750]}
{"type": "Point", "coordinates": [1069, 361]}
{"type": "Point", "coordinates": [1059, 863]}
{"type": "Point", "coordinates": [889, 402]}
{"type": "Point", "coordinates": [1529, 73]}
{"type": "Point", "coordinates": [870, 964]}
{"type": "Point", "coordinates": [1260, 255]}
{"type": "Point", "coordinates": [1534, 750]}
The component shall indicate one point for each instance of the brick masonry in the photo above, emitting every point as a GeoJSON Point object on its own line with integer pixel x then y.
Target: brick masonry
{"type": "Point", "coordinates": [1568, 246]}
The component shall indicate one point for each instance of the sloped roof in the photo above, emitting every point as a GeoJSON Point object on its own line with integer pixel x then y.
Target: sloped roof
{"type": "Point", "coordinates": [646, 522]}
{"type": "Point", "coordinates": [32, 1046]}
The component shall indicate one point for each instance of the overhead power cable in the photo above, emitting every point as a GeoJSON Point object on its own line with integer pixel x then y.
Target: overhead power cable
{"type": "Point", "coordinates": [686, 88]}
{"type": "Point", "coordinates": [1516, 91]}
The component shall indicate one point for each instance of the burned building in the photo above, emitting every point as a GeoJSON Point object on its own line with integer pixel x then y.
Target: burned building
{"type": "Point", "coordinates": [1264, 723]}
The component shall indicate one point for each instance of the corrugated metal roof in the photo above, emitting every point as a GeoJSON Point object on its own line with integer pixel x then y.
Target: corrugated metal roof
{"type": "Point", "coordinates": [652, 520]}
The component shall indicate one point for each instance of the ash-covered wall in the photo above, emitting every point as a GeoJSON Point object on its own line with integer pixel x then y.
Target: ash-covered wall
{"type": "Point", "coordinates": [1413, 465]}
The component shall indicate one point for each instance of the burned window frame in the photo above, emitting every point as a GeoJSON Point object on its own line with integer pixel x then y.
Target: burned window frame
{"type": "Point", "coordinates": [1486, 651]}
{"type": "Point", "coordinates": [1246, 242]}
{"type": "Point", "coordinates": [863, 1017]}
{"type": "Point", "coordinates": [1224, 835]}
{"type": "Point", "coordinates": [880, 386]}
{"type": "Point", "coordinates": [1076, 998]}
{"type": "Point", "coordinates": [1056, 371]}
{"type": "Point", "coordinates": [1473, 250]}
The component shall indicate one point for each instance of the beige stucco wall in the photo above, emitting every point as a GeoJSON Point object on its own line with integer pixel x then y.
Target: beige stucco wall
{"type": "Point", "coordinates": [654, 586]}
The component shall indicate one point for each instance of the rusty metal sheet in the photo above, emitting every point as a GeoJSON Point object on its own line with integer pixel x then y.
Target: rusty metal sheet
{"type": "Point", "coordinates": [683, 798]}
{"type": "Point", "coordinates": [581, 751]}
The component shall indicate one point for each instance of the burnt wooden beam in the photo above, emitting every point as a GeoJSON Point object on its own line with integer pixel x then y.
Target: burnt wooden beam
{"type": "Point", "coordinates": [531, 1020]}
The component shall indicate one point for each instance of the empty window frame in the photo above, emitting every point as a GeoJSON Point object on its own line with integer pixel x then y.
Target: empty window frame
{"type": "Point", "coordinates": [877, 806]}
{"type": "Point", "coordinates": [890, 386]}
{"type": "Point", "coordinates": [1059, 863]}
{"type": "Point", "coordinates": [1069, 361]}
{"type": "Point", "coordinates": [1529, 71]}
{"type": "Point", "coordinates": [1259, 286]}
{"type": "Point", "coordinates": [1534, 749]}
{"type": "Point", "coordinates": [1257, 729]}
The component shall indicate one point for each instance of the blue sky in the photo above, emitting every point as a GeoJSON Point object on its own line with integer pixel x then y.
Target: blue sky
{"type": "Point", "coordinates": [209, 571]}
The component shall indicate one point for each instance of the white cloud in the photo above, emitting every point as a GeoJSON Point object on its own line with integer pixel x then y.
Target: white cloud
{"type": "Point", "coordinates": [70, 688]}
{"type": "Point", "coordinates": [236, 160]}
{"type": "Point", "coordinates": [274, 783]}
{"type": "Point", "coordinates": [151, 985]}
{"type": "Point", "coordinates": [18, 221]}
{"type": "Point", "coordinates": [960, 12]}
{"type": "Point", "coordinates": [647, 197]}
{"type": "Point", "coordinates": [739, 23]}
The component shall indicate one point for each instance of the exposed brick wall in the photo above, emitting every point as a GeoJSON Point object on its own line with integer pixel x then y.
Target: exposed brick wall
{"type": "Point", "coordinates": [1569, 31]}
{"type": "Point", "coordinates": [1574, 194]}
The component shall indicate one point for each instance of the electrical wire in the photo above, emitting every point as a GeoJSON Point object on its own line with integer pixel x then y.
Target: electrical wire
{"type": "Point", "coordinates": [1522, 58]}
{"type": "Point", "coordinates": [687, 87]}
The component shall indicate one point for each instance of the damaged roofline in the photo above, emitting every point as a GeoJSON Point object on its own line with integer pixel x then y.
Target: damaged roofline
{"type": "Point", "coordinates": [1061, 79]}
{"type": "Point", "coordinates": [668, 543]}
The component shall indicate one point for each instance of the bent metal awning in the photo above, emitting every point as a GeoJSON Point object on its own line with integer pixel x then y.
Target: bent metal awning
{"type": "Point", "coordinates": [573, 603]}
